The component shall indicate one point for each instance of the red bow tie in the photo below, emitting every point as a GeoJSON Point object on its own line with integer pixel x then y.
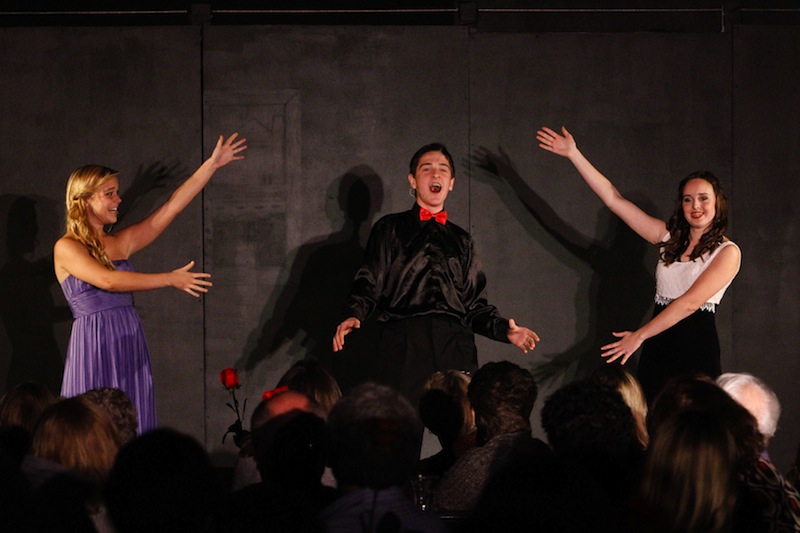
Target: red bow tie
{"type": "Point", "coordinates": [424, 214]}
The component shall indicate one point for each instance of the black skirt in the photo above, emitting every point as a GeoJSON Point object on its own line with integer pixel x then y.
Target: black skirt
{"type": "Point", "coordinates": [689, 347]}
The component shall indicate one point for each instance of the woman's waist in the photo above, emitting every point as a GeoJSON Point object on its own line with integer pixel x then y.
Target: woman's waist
{"type": "Point", "coordinates": [664, 301]}
{"type": "Point", "coordinates": [92, 304]}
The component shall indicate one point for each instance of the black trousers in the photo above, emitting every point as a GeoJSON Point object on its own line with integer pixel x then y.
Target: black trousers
{"type": "Point", "coordinates": [411, 349]}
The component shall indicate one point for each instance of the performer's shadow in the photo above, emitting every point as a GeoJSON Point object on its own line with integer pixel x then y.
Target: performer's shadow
{"type": "Point", "coordinates": [27, 307]}
{"type": "Point", "coordinates": [307, 308]}
{"type": "Point", "coordinates": [618, 293]}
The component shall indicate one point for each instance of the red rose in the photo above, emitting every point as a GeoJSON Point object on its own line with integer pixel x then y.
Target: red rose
{"type": "Point", "coordinates": [229, 378]}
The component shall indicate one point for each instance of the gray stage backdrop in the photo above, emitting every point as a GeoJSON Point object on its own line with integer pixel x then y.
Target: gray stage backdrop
{"type": "Point", "coordinates": [332, 115]}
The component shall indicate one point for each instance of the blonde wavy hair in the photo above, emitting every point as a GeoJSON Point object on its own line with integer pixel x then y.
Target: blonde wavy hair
{"type": "Point", "coordinates": [84, 182]}
{"type": "Point", "coordinates": [455, 384]}
{"type": "Point", "coordinates": [631, 391]}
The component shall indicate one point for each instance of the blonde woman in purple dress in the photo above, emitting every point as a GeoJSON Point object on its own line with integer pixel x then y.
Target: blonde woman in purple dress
{"type": "Point", "coordinates": [107, 347]}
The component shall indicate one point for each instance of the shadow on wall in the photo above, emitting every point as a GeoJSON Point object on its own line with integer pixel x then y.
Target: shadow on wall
{"type": "Point", "coordinates": [149, 190]}
{"type": "Point", "coordinates": [307, 309]}
{"type": "Point", "coordinates": [26, 304]}
{"type": "Point", "coordinates": [619, 291]}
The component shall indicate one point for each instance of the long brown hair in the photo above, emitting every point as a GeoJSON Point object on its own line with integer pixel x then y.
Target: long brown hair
{"type": "Point", "coordinates": [79, 435]}
{"type": "Point", "coordinates": [678, 227]}
{"type": "Point", "coordinates": [689, 480]}
{"type": "Point", "coordinates": [82, 184]}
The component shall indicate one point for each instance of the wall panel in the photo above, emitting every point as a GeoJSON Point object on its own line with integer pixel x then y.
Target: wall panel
{"type": "Point", "coordinates": [767, 167]}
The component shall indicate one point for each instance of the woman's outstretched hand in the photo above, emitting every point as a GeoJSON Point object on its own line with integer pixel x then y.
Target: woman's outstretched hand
{"type": "Point", "coordinates": [551, 141]}
{"type": "Point", "coordinates": [623, 349]}
{"type": "Point", "coordinates": [191, 282]}
{"type": "Point", "coordinates": [228, 150]}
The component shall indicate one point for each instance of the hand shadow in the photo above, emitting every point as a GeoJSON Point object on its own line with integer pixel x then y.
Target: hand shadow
{"type": "Point", "coordinates": [150, 188]}
{"type": "Point", "coordinates": [619, 289]}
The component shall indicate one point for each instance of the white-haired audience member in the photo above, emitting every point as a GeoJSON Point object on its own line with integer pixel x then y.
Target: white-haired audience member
{"type": "Point", "coordinates": [755, 396]}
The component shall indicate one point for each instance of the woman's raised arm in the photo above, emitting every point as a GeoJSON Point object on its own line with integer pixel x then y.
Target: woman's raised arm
{"type": "Point", "coordinates": [650, 228]}
{"type": "Point", "coordinates": [137, 236]}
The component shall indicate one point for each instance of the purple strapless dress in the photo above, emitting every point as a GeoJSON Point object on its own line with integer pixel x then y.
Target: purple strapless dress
{"type": "Point", "coordinates": [107, 347]}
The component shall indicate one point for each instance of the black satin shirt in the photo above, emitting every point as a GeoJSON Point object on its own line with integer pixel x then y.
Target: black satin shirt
{"type": "Point", "coordinates": [415, 268]}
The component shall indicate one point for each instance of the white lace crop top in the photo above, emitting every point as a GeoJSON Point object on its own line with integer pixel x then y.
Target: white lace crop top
{"type": "Point", "coordinates": [674, 280]}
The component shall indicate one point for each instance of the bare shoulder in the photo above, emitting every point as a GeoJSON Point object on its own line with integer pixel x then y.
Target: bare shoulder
{"type": "Point", "coordinates": [729, 254]}
{"type": "Point", "coordinates": [68, 245]}
{"type": "Point", "coordinates": [66, 252]}
{"type": "Point", "coordinates": [730, 247]}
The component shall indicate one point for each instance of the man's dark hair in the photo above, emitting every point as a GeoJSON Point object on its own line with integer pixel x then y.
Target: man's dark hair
{"type": "Point", "coordinates": [433, 147]}
{"type": "Point", "coordinates": [502, 395]}
{"type": "Point", "coordinates": [585, 419]}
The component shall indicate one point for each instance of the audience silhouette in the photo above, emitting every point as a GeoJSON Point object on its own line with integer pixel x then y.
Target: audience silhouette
{"type": "Point", "coordinates": [76, 465]}
{"type": "Point", "coordinates": [374, 438]}
{"type": "Point", "coordinates": [502, 395]}
{"type": "Point", "coordinates": [163, 481]}
{"type": "Point", "coordinates": [290, 443]}
{"type": "Point", "coordinates": [446, 411]}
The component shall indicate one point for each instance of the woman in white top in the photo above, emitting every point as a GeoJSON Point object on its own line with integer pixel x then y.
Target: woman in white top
{"type": "Point", "coordinates": [697, 263]}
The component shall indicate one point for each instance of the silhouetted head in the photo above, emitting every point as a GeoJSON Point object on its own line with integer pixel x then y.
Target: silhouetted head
{"type": "Point", "coordinates": [163, 481]}
{"type": "Point", "coordinates": [24, 404]}
{"type": "Point", "coordinates": [445, 408]}
{"type": "Point", "coordinates": [374, 438]}
{"type": "Point", "coordinates": [313, 379]}
{"type": "Point", "coordinates": [502, 395]}
{"type": "Point", "coordinates": [291, 449]}
{"type": "Point", "coordinates": [358, 194]}
{"type": "Point", "coordinates": [587, 420]}
{"type": "Point", "coordinates": [281, 402]}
